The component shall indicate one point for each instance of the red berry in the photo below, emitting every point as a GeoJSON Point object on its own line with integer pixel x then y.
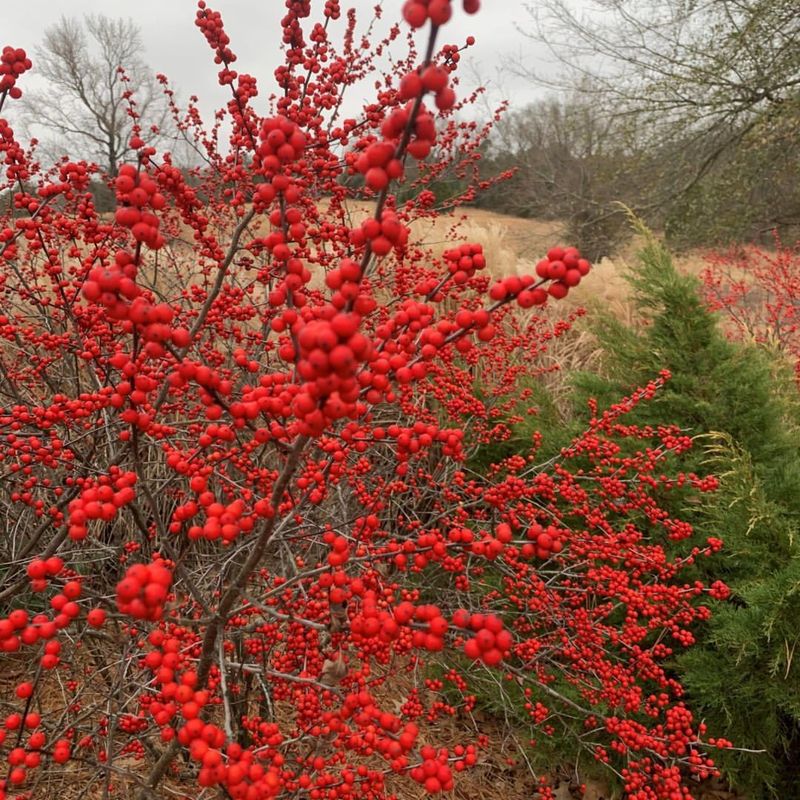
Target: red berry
{"type": "Point", "coordinates": [96, 617]}
{"type": "Point", "coordinates": [415, 13]}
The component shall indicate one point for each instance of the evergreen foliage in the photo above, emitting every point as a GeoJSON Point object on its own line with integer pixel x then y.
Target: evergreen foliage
{"type": "Point", "coordinates": [743, 674]}
{"type": "Point", "coordinates": [741, 406]}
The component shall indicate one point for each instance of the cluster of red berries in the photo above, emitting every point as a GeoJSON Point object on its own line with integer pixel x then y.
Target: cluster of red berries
{"type": "Point", "coordinates": [488, 546]}
{"type": "Point", "coordinates": [429, 626]}
{"type": "Point", "coordinates": [40, 569]}
{"type": "Point", "coordinates": [135, 390]}
{"type": "Point", "coordinates": [417, 12]}
{"type": "Point", "coordinates": [360, 707]}
{"type": "Point", "coordinates": [434, 772]}
{"type": "Point", "coordinates": [424, 548]}
{"type": "Point", "coordinates": [464, 261]}
{"type": "Point", "coordinates": [114, 286]}
{"type": "Point", "coordinates": [382, 235]}
{"type": "Point", "coordinates": [243, 776]}
{"type": "Point", "coordinates": [203, 740]}
{"type": "Point", "coordinates": [565, 268]}
{"type": "Point", "coordinates": [191, 701]}
{"type": "Point", "coordinates": [143, 591]}
{"type": "Point", "coordinates": [210, 24]}
{"type": "Point", "coordinates": [208, 380]}
{"type": "Point", "coordinates": [22, 759]}
{"type": "Point", "coordinates": [137, 192]}
{"type": "Point", "coordinates": [370, 622]}
{"type": "Point", "coordinates": [282, 143]}
{"type": "Point", "coordinates": [423, 132]}
{"type": "Point", "coordinates": [13, 62]}
{"type": "Point", "coordinates": [519, 287]}
{"type": "Point", "coordinates": [164, 659]}
{"type": "Point", "coordinates": [16, 168]}
{"type": "Point", "coordinates": [379, 161]}
{"type": "Point", "coordinates": [75, 175]}
{"type": "Point", "coordinates": [266, 192]}
{"type": "Point", "coordinates": [100, 501]}
{"type": "Point", "coordinates": [292, 220]}
{"type": "Point", "coordinates": [419, 438]}
{"type": "Point", "coordinates": [719, 590]}
{"type": "Point", "coordinates": [434, 626]}
{"type": "Point", "coordinates": [379, 165]}
{"type": "Point", "coordinates": [237, 769]}
{"type": "Point", "coordinates": [18, 628]}
{"type": "Point", "coordinates": [223, 521]}
{"type": "Point", "coordinates": [331, 352]}
{"type": "Point", "coordinates": [433, 79]}
{"type": "Point", "coordinates": [345, 278]}
{"type": "Point", "coordinates": [332, 9]}
{"type": "Point", "coordinates": [544, 542]}
{"type": "Point", "coordinates": [492, 641]}
{"type": "Point", "coordinates": [340, 549]}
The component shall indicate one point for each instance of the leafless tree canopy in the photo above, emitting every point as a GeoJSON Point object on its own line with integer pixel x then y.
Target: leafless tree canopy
{"type": "Point", "coordinates": [85, 104]}
{"type": "Point", "coordinates": [696, 102]}
{"type": "Point", "coordinates": [708, 62]}
{"type": "Point", "coordinates": [571, 163]}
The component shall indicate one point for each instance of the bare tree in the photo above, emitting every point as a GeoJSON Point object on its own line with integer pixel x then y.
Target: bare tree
{"type": "Point", "coordinates": [95, 72]}
{"type": "Point", "coordinates": [700, 74]}
{"type": "Point", "coordinates": [571, 163]}
{"type": "Point", "coordinates": [708, 90]}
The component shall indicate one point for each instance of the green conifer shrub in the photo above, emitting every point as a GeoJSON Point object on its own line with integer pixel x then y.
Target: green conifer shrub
{"type": "Point", "coordinates": [743, 675]}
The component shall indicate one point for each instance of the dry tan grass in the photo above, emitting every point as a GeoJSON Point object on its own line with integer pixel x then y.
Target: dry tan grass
{"type": "Point", "coordinates": [512, 246]}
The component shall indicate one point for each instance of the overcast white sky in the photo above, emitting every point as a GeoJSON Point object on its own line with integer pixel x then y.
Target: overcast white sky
{"type": "Point", "coordinates": [174, 46]}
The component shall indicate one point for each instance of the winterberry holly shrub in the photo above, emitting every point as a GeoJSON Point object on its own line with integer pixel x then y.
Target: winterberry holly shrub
{"type": "Point", "coordinates": [739, 404]}
{"type": "Point", "coordinates": [236, 420]}
{"type": "Point", "coordinates": [757, 292]}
